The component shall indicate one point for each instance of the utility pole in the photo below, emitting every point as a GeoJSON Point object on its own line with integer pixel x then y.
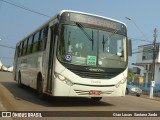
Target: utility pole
{"type": "Point", "coordinates": [153, 64]}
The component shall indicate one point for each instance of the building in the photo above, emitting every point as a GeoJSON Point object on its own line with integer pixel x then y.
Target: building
{"type": "Point", "coordinates": [145, 59]}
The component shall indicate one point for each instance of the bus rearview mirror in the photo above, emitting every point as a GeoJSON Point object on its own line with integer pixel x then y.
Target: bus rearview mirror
{"type": "Point", "coordinates": [129, 47]}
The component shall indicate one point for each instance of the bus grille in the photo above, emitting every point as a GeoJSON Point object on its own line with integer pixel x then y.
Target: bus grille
{"type": "Point", "coordinates": [94, 75]}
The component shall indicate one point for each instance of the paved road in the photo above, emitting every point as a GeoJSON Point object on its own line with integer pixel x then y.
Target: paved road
{"type": "Point", "coordinates": [14, 98]}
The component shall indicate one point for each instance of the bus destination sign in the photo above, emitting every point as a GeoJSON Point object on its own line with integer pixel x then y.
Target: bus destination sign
{"type": "Point", "coordinates": [94, 20]}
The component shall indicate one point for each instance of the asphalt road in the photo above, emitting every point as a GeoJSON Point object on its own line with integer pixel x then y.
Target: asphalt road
{"type": "Point", "coordinates": [14, 98]}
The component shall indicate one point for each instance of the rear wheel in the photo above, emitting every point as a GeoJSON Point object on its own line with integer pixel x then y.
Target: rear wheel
{"type": "Point", "coordinates": [96, 99]}
{"type": "Point", "coordinates": [40, 87]}
{"type": "Point", "coordinates": [19, 80]}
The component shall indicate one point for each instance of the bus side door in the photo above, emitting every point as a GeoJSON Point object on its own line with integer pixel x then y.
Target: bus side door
{"type": "Point", "coordinates": [50, 66]}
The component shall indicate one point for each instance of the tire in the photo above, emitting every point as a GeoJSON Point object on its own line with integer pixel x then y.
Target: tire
{"type": "Point", "coordinates": [127, 91]}
{"type": "Point", "coordinates": [138, 95]}
{"type": "Point", "coordinates": [19, 80]}
{"type": "Point", "coordinates": [96, 99]}
{"type": "Point", "coordinates": [40, 87]}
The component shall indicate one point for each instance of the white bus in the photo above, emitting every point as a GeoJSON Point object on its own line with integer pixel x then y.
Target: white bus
{"type": "Point", "coordinates": [74, 54]}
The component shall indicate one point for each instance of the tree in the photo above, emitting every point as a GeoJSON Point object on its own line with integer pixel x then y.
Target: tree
{"type": "Point", "coordinates": [130, 74]}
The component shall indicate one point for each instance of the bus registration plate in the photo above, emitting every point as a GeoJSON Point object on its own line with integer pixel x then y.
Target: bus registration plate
{"type": "Point", "coordinates": [95, 92]}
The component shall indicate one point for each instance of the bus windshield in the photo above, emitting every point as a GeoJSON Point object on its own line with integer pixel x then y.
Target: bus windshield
{"type": "Point", "coordinates": [80, 45]}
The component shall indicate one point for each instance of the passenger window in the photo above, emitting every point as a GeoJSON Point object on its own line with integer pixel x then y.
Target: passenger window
{"type": "Point", "coordinates": [25, 47]}
{"type": "Point", "coordinates": [36, 37]}
{"type": "Point", "coordinates": [43, 38]}
{"type": "Point", "coordinates": [18, 50]}
{"type": "Point", "coordinates": [21, 49]}
{"type": "Point", "coordinates": [35, 42]}
{"type": "Point", "coordinates": [29, 50]}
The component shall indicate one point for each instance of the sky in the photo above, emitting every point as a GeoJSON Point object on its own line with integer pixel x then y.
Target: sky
{"type": "Point", "coordinates": [16, 23]}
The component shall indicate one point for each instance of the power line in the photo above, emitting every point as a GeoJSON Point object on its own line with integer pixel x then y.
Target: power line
{"type": "Point", "coordinates": [147, 51]}
{"type": "Point", "coordinates": [25, 8]}
{"type": "Point", "coordinates": [7, 58]}
{"type": "Point", "coordinates": [6, 46]}
{"type": "Point", "coordinates": [137, 39]}
{"type": "Point", "coordinates": [137, 27]}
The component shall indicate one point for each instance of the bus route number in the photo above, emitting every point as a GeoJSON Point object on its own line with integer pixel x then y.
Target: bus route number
{"type": "Point", "coordinates": [91, 60]}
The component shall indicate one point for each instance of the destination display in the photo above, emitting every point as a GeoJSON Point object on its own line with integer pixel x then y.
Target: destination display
{"type": "Point", "coordinates": [94, 20]}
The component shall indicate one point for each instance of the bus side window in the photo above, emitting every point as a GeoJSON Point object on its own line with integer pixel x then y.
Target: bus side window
{"type": "Point", "coordinates": [21, 48]}
{"type": "Point", "coordinates": [25, 47]}
{"type": "Point", "coordinates": [35, 42]}
{"type": "Point", "coordinates": [29, 50]}
{"type": "Point", "coordinates": [18, 50]}
{"type": "Point", "coordinates": [43, 38]}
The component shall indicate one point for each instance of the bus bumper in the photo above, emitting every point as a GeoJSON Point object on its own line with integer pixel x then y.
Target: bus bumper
{"type": "Point", "coordinates": [75, 90]}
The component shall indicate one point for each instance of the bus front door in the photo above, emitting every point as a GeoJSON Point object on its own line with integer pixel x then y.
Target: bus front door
{"type": "Point", "coordinates": [51, 60]}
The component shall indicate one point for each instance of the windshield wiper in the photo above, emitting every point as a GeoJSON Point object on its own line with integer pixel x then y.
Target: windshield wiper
{"type": "Point", "coordinates": [86, 34]}
{"type": "Point", "coordinates": [104, 40]}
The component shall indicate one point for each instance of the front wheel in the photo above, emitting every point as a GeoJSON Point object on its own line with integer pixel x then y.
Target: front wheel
{"type": "Point", "coordinates": [96, 99]}
{"type": "Point", "coordinates": [138, 95]}
{"type": "Point", "coordinates": [127, 91]}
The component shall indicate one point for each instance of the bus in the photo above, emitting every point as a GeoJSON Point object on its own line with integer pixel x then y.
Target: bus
{"type": "Point", "coordinates": [74, 54]}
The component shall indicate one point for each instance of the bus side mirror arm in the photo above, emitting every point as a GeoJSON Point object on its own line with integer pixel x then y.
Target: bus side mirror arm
{"type": "Point", "coordinates": [129, 47]}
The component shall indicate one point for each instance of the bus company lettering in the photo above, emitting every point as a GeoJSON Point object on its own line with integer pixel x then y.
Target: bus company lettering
{"type": "Point", "coordinates": [95, 82]}
{"type": "Point", "coordinates": [95, 21]}
{"type": "Point", "coordinates": [96, 70]}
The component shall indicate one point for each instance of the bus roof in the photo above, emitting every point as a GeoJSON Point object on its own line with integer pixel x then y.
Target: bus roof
{"type": "Point", "coordinates": [60, 13]}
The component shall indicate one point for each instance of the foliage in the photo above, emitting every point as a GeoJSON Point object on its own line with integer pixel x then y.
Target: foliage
{"type": "Point", "coordinates": [130, 74]}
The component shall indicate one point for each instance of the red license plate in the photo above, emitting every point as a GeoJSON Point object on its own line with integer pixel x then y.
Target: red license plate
{"type": "Point", "coordinates": [95, 92]}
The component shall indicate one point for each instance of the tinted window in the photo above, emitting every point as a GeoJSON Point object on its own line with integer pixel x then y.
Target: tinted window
{"type": "Point", "coordinates": [29, 50]}
{"type": "Point", "coordinates": [35, 42]}
{"type": "Point", "coordinates": [43, 38]}
{"type": "Point", "coordinates": [36, 37]}
{"type": "Point", "coordinates": [20, 48]}
{"type": "Point", "coordinates": [25, 47]}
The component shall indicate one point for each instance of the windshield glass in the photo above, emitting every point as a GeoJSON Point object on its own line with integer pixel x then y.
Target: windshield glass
{"type": "Point", "coordinates": [112, 50]}
{"type": "Point", "coordinates": [81, 45]}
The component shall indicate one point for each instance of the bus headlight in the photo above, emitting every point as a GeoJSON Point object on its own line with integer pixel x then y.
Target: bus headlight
{"type": "Point", "coordinates": [64, 79]}
{"type": "Point", "coordinates": [117, 85]}
{"type": "Point", "coordinates": [61, 77]}
{"type": "Point", "coordinates": [120, 82]}
{"type": "Point", "coordinates": [68, 82]}
{"type": "Point", "coordinates": [123, 81]}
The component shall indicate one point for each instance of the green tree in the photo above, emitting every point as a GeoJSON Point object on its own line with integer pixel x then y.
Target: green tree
{"type": "Point", "coordinates": [130, 74]}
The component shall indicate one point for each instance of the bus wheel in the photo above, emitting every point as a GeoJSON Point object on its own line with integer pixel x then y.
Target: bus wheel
{"type": "Point", "coordinates": [138, 95]}
{"type": "Point", "coordinates": [19, 80]}
{"type": "Point", "coordinates": [40, 88]}
{"type": "Point", "coordinates": [96, 99]}
{"type": "Point", "coordinates": [127, 91]}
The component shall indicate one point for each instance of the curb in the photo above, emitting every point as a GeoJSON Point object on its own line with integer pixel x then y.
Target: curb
{"type": "Point", "coordinates": [147, 97]}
